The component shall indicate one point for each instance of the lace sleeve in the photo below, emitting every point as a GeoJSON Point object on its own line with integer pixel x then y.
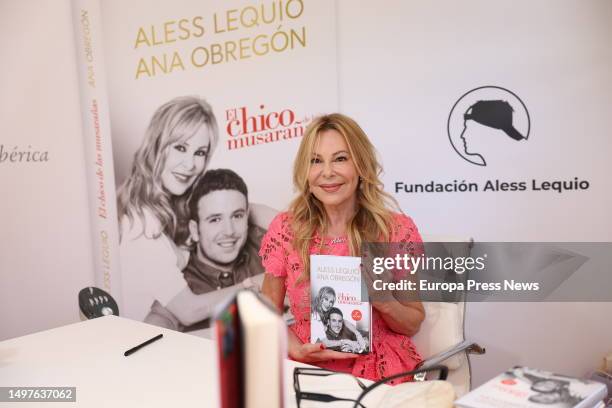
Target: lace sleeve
{"type": "Point", "coordinates": [406, 239]}
{"type": "Point", "coordinates": [273, 251]}
{"type": "Point", "coordinates": [405, 231]}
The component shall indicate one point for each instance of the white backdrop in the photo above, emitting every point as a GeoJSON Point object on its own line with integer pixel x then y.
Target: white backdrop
{"type": "Point", "coordinates": [45, 250]}
{"type": "Point", "coordinates": [401, 67]}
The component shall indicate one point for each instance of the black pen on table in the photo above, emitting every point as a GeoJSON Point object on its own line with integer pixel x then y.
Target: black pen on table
{"type": "Point", "coordinates": [146, 343]}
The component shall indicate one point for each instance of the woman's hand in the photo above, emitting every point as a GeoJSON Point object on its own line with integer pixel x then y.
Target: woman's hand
{"type": "Point", "coordinates": [312, 353]}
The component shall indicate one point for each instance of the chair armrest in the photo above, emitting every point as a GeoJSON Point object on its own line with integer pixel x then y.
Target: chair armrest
{"type": "Point", "coordinates": [466, 345]}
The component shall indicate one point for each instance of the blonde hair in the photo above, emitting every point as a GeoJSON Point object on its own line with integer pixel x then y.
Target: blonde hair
{"type": "Point", "coordinates": [316, 302]}
{"type": "Point", "coordinates": [176, 120]}
{"type": "Point", "coordinates": [372, 220]}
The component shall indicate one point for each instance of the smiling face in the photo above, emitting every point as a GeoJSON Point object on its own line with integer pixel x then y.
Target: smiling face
{"type": "Point", "coordinates": [332, 175]}
{"type": "Point", "coordinates": [327, 301]}
{"type": "Point", "coordinates": [222, 229]}
{"type": "Point", "coordinates": [335, 322]}
{"type": "Point", "coordinates": [185, 161]}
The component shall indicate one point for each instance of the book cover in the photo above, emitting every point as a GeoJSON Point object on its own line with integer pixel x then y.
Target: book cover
{"type": "Point", "coordinates": [229, 353]}
{"type": "Point", "coordinates": [251, 339]}
{"type": "Point", "coordinates": [340, 307]}
{"type": "Point", "coordinates": [523, 387]}
{"type": "Point", "coordinates": [259, 72]}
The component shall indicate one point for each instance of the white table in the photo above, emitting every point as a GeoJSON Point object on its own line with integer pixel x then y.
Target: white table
{"type": "Point", "coordinates": [177, 371]}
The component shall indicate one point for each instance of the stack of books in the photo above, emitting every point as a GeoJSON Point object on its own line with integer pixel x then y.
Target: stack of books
{"type": "Point", "coordinates": [522, 387]}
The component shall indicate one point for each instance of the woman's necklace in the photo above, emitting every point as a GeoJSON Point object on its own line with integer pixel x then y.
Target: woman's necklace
{"type": "Point", "coordinates": [338, 240]}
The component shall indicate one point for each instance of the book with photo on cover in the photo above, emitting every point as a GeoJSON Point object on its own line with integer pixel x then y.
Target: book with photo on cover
{"type": "Point", "coordinates": [340, 308]}
{"type": "Point", "coordinates": [530, 388]}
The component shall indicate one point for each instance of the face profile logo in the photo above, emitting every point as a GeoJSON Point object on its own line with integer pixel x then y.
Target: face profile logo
{"type": "Point", "coordinates": [485, 120]}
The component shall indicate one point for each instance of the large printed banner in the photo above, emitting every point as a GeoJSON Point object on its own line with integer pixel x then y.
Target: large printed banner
{"type": "Point", "coordinates": [206, 98]}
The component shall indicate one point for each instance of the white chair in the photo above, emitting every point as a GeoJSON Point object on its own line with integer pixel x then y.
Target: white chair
{"type": "Point", "coordinates": [441, 338]}
{"type": "Point", "coordinates": [441, 341]}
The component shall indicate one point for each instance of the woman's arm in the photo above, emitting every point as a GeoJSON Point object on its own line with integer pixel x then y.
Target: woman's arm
{"type": "Point", "coordinates": [190, 308]}
{"type": "Point", "coordinates": [404, 318]}
{"type": "Point", "coordinates": [261, 215]}
{"type": "Point", "coordinates": [274, 289]}
{"type": "Point", "coordinates": [400, 311]}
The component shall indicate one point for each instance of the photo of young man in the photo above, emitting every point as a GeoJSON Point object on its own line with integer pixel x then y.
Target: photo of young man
{"type": "Point", "coordinates": [337, 331]}
{"type": "Point", "coordinates": [224, 256]}
{"type": "Point", "coordinates": [226, 246]}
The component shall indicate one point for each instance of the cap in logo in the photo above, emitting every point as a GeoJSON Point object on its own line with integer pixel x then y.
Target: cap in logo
{"type": "Point", "coordinates": [495, 114]}
{"type": "Point", "coordinates": [477, 116]}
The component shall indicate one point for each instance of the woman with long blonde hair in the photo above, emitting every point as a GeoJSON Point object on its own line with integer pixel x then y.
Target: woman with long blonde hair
{"type": "Point", "coordinates": [174, 154]}
{"type": "Point", "coordinates": [340, 204]}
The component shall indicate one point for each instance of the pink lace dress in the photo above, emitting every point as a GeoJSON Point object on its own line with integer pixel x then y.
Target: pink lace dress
{"type": "Point", "coordinates": [391, 352]}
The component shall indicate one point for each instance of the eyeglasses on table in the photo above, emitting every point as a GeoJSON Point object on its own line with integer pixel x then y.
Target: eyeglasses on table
{"type": "Point", "coordinates": [301, 395]}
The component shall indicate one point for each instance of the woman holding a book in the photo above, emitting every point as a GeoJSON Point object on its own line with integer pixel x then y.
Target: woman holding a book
{"type": "Point", "coordinates": [340, 205]}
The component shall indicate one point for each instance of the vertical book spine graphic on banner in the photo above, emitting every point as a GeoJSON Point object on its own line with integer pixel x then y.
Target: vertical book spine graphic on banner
{"type": "Point", "coordinates": [97, 143]}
